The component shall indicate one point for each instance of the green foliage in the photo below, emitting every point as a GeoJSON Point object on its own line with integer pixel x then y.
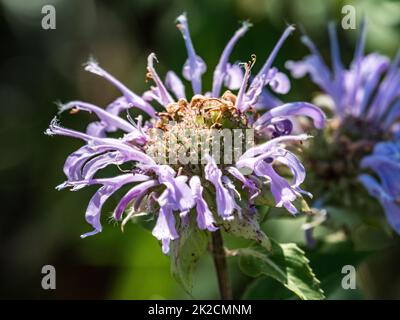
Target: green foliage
{"type": "Point", "coordinates": [267, 288]}
{"type": "Point", "coordinates": [248, 228]}
{"type": "Point", "coordinates": [329, 260]}
{"type": "Point", "coordinates": [287, 264]}
{"type": "Point", "coordinates": [185, 254]}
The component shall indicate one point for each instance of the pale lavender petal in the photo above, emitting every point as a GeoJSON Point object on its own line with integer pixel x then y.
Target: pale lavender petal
{"type": "Point", "coordinates": [222, 71]}
{"type": "Point", "coordinates": [299, 69]}
{"type": "Point", "coordinates": [93, 211]}
{"type": "Point", "coordinates": [264, 76]}
{"type": "Point", "coordinates": [373, 67]}
{"type": "Point", "coordinates": [391, 205]}
{"type": "Point", "coordinates": [234, 194]}
{"type": "Point", "coordinates": [175, 84]}
{"type": "Point", "coordinates": [132, 153]}
{"type": "Point", "coordinates": [268, 63]}
{"type": "Point", "coordinates": [97, 129]}
{"type": "Point", "coordinates": [266, 100]}
{"type": "Point", "coordinates": [392, 116]}
{"type": "Point", "coordinates": [388, 170]}
{"type": "Point", "coordinates": [225, 202]}
{"type": "Point", "coordinates": [377, 108]}
{"type": "Point", "coordinates": [56, 129]}
{"type": "Point", "coordinates": [248, 183]}
{"type": "Point", "coordinates": [163, 93]}
{"type": "Point", "coordinates": [293, 109]}
{"type": "Point", "coordinates": [284, 195]}
{"type": "Point", "coordinates": [132, 98]}
{"type": "Point", "coordinates": [280, 83]}
{"type": "Point", "coordinates": [335, 50]}
{"type": "Point", "coordinates": [76, 160]}
{"type": "Point", "coordinates": [234, 77]}
{"type": "Point", "coordinates": [179, 194]}
{"type": "Point", "coordinates": [95, 164]}
{"type": "Point", "coordinates": [319, 62]}
{"type": "Point", "coordinates": [241, 101]}
{"type": "Point", "coordinates": [356, 64]}
{"type": "Point", "coordinates": [194, 67]}
{"type": "Point", "coordinates": [116, 181]}
{"type": "Point", "coordinates": [267, 146]}
{"type": "Point", "coordinates": [164, 229]}
{"type": "Point", "coordinates": [293, 163]}
{"type": "Point", "coordinates": [319, 74]}
{"type": "Point", "coordinates": [253, 93]}
{"type": "Point", "coordinates": [113, 121]}
{"type": "Point", "coordinates": [152, 94]}
{"type": "Point", "coordinates": [118, 105]}
{"type": "Point", "coordinates": [134, 193]}
{"type": "Point", "coordinates": [205, 219]}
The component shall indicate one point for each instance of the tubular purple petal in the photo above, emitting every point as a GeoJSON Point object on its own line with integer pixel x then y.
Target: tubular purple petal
{"type": "Point", "coordinates": [266, 146]}
{"type": "Point", "coordinates": [96, 203]}
{"type": "Point", "coordinates": [205, 219]}
{"type": "Point", "coordinates": [335, 51]}
{"type": "Point", "coordinates": [280, 83]}
{"type": "Point", "coordinates": [390, 204]}
{"type": "Point", "coordinates": [134, 99]}
{"type": "Point", "coordinates": [225, 202]}
{"type": "Point", "coordinates": [175, 84]}
{"type": "Point", "coordinates": [248, 183]}
{"type": "Point", "coordinates": [234, 77]}
{"type": "Point", "coordinates": [112, 121]}
{"type": "Point", "coordinates": [164, 229]}
{"type": "Point", "coordinates": [194, 66]}
{"type": "Point", "coordinates": [221, 69]}
{"type": "Point", "coordinates": [284, 195]}
{"type": "Point", "coordinates": [164, 95]}
{"type": "Point", "coordinates": [293, 109]}
{"type": "Point", "coordinates": [268, 63]}
{"type": "Point", "coordinates": [133, 193]}
{"type": "Point", "coordinates": [358, 55]}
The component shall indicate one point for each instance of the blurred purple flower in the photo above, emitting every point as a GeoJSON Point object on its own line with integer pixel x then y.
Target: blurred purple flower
{"type": "Point", "coordinates": [385, 162]}
{"type": "Point", "coordinates": [178, 189]}
{"type": "Point", "coordinates": [369, 92]}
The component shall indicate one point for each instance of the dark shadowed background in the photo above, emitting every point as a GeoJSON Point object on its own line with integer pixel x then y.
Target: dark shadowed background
{"type": "Point", "coordinates": [41, 226]}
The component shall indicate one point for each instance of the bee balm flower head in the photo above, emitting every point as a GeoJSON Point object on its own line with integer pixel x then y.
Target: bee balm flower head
{"type": "Point", "coordinates": [171, 187]}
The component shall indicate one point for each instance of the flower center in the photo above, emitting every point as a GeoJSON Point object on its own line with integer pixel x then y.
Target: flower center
{"type": "Point", "coordinates": [187, 131]}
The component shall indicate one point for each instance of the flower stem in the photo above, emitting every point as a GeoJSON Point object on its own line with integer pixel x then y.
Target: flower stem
{"type": "Point", "coordinates": [218, 252]}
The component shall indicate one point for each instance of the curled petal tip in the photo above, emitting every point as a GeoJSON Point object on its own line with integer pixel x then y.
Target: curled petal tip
{"type": "Point", "coordinates": [93, 66]}
{"type": "Point", "coordinates": [246, 24]}
{"type": "Point", "coordinates": [291, 28]}
{"type": "Point", "coordinates": [91, 233]}
{"type": "Point", "coordinates": [181, 17]}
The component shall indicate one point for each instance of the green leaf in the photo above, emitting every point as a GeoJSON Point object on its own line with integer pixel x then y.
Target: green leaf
{"type": "Point", "coordinates": [267, 288]}
{"type": "Point", "coordinates": [185, 254]}
{"type": "Point", "coordinates": [248, 228]}
{"type": "Point", "coordinates": [287, 264]}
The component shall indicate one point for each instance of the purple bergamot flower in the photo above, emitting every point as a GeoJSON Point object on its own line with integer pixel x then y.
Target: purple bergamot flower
{"type": "Point", "coordinates": [170, 187]}
{"type": "Point", "coordinates": [366, 112]}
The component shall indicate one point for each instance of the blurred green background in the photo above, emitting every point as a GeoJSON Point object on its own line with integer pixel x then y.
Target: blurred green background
{"type": "Point", "coordinates": [40, 226]}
